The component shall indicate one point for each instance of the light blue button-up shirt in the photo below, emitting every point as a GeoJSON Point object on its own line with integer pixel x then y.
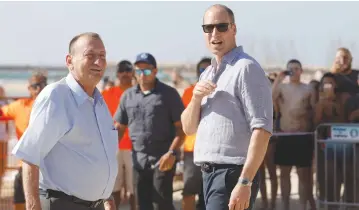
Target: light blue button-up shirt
{"type": "Point", "coordinates": [241, 102]}
{"type": "Point", "coordinates": [71, 138]}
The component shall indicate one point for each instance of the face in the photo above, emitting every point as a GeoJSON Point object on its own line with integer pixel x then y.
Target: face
{"type": "Point", "coordinates": [125, 76]}
{"type": "Point", "coordinates": [36, 85]}
{"type": "Point", "coordinates": [342, 62]}
{"type": "Point", "coordinates": [219, 31]}
{"type": "Point", "coordinates": [145, 73]}
{"type": "Point", "coordinates": [87, 61]}
{"type": "Point", "coordinates": [296, 70]}
{"type": "Point", "coordinates": [328, 83]}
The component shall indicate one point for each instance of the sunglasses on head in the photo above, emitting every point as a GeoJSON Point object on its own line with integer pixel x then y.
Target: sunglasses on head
{"type": "Point", "coordinates": [145, 72]}
{"type": "Point", "coordinates": [221, 27]}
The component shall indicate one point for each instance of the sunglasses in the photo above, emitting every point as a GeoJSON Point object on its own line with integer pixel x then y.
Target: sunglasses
{"type": "Point", "coordinates": [201, 70]}
{"type": "Point", "coordinates": [36, 85]}
{"type": "Point", "coordinates": [221, 27]}
{"type": "Point", "coordinates": [145, 72]}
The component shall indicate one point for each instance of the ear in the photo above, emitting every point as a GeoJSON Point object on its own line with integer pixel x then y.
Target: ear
{"type": "Point", "coordinates": [155, 71]}
{"type": "Point", "coordinates": [234, 28]}
{"type": "Point", "coordinates": [69, 61]}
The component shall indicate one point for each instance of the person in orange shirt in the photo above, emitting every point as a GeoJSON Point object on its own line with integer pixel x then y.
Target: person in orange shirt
{"type": "Point", "coordinates": [192, 175]}
{"type": "Point", "coordinates": [112, 97]}
{"type": "Point", "coordinates": [19, 111]}
{"type": "Point", "coordinates": [4, 129]}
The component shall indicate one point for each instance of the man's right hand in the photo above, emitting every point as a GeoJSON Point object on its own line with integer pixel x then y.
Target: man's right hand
{"type": "Point", "coordinates": [203, 88]}
{"type": "Point", "coordinates": [281, 76]}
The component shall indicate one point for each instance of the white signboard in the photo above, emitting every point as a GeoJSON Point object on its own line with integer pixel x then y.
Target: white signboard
{"type": "Point", "coordinates": [345, 132]}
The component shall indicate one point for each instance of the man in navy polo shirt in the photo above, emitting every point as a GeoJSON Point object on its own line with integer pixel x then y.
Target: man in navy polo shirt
{"type": "Point", "coordinates": [152, 112]}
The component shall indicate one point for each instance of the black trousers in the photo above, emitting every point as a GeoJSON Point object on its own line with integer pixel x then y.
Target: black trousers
{"type": "Point", "coordinates": [19, 196]}
{"type": "Point", "coordinates": [154, 188]}
{"type": "Point", "coordinates": [218, 183]}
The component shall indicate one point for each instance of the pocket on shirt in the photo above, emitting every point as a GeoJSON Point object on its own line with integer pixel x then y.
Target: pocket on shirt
{"type": "Point", "coordinates": [132, 111]}
{"type": "Point", "coordinates": [155, 108]}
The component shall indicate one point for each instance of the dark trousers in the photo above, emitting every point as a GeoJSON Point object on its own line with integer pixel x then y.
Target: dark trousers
{"type": "Point", "coordinates": [51, 203]}
{"type": "Point", "coordinates": [218, 183]}
{"type": "Point", "coordinates": [154, 188]}
{"type": "Point", "coordinates": [201, 205]}
{"type": "Point", "coordinates": [19, 196]}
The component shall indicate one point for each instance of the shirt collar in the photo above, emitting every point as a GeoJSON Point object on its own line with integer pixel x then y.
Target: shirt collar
{"type": "Point", "coordinates": [229, 57]}
{"type": "Point", "coordinates": [79, 93]}
{"type": "Point", "coordinates": [156, 88]}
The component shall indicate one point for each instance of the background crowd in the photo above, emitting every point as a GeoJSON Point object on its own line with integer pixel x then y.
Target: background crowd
{"type": "Point", "coordinates": [299, 108]}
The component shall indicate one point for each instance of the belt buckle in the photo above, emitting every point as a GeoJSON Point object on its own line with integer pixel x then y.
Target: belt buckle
{"type": "Point", "coordinates": [206, 167]}
{"type": "Point", "coordinates": [95, 204]}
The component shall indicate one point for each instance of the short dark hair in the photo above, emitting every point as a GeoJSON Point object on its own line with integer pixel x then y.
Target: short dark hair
{"type": "Point", "coordinates": [203, 60]}
{"type": "Point", "coordinates": [227, 9]}
{"type": "Point", "coordinates": [294, 61]}
{"type": "Point", "coordinates": [40, 75]}
{"type": "Point", "coordinates": [124, 64]}
{"type": "Point", "coordinates": [329, 75]}
{"type": "Point", "coordinates": [77, 37]}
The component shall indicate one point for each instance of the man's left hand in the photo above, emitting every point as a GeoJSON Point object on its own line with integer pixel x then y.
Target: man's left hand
{"type": "Point", "coordinates": [240, 197]}
{"type": "Point", "coordinates": [167, 161]}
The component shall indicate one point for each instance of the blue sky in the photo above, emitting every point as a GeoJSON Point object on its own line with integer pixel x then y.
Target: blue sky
{"type": "Point", "coordinates": [37, 33]}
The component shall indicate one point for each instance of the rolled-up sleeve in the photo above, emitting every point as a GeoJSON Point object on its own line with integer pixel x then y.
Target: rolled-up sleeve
{"type": "Point", "coordinates": [121, 114]}
{"type": "Point", "coordinates": [256, 96]}
{"type": "Point", "coordinates": [48, 123]}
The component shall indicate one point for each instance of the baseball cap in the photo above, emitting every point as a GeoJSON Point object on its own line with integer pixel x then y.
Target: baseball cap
{"type": "Point", "coordinates": [124, 66]}
{"type": "Point", "coordinates": [146, 58]}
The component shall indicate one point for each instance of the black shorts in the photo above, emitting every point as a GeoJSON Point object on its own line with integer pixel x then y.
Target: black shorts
{"type": "Point", "coordinates": [294, 150]}
{"type": "Point", "coordinates": [19, 197]}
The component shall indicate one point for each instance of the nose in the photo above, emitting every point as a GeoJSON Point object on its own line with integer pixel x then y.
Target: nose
{"type": "Point", "coordinates": [97, 61]}
{"type": "Point", "coordinates": [342, 61]}
{"type": "Point", "coordinates": [215, 31]}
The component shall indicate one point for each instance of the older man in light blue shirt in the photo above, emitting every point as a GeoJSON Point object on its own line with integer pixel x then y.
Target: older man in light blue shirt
{"type": "Point", "coordinates": [69, 148]}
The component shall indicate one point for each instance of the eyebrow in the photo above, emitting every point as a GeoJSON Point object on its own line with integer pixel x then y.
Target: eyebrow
{"type": "Point", "coordinates": [92, 51]}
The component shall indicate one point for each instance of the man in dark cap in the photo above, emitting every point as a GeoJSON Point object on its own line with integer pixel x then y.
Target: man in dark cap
{"type": "Point", "coordinates": [152, 110]}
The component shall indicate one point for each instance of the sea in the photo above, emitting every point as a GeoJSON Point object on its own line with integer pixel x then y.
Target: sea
{"type": "Point", "coordinates": [15, 80]}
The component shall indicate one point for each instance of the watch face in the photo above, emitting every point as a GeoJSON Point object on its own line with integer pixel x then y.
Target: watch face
{"type": "Point", "coordinates": [245, 182]}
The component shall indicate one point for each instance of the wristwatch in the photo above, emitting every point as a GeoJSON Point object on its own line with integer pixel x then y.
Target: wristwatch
{"type": "Point", "coordinates": [244, 182]}
{"type": "Point", "coordinates": [172, 152]}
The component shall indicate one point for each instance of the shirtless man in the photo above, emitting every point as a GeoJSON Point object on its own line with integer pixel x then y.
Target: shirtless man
{"type": "Point", "coordinates": [296, 103]}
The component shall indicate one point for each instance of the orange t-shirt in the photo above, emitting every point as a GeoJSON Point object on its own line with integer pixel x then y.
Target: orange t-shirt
{"type": "Point", "coordinates": [112, 98]}
{"type": "Point", "coordinates": [19, 111]}
{"type": "Point", "coordinates": [189, 140]}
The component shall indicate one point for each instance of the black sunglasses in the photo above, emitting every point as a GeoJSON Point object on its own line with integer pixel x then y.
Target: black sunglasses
{"type": "Point", "coordinates": [221, 27]}
{"type": "Point", "coordinates": [40, 85]}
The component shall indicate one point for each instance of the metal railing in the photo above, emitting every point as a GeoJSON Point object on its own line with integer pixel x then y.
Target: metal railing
{"type": "Point", "coordinates": [336, 156]}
